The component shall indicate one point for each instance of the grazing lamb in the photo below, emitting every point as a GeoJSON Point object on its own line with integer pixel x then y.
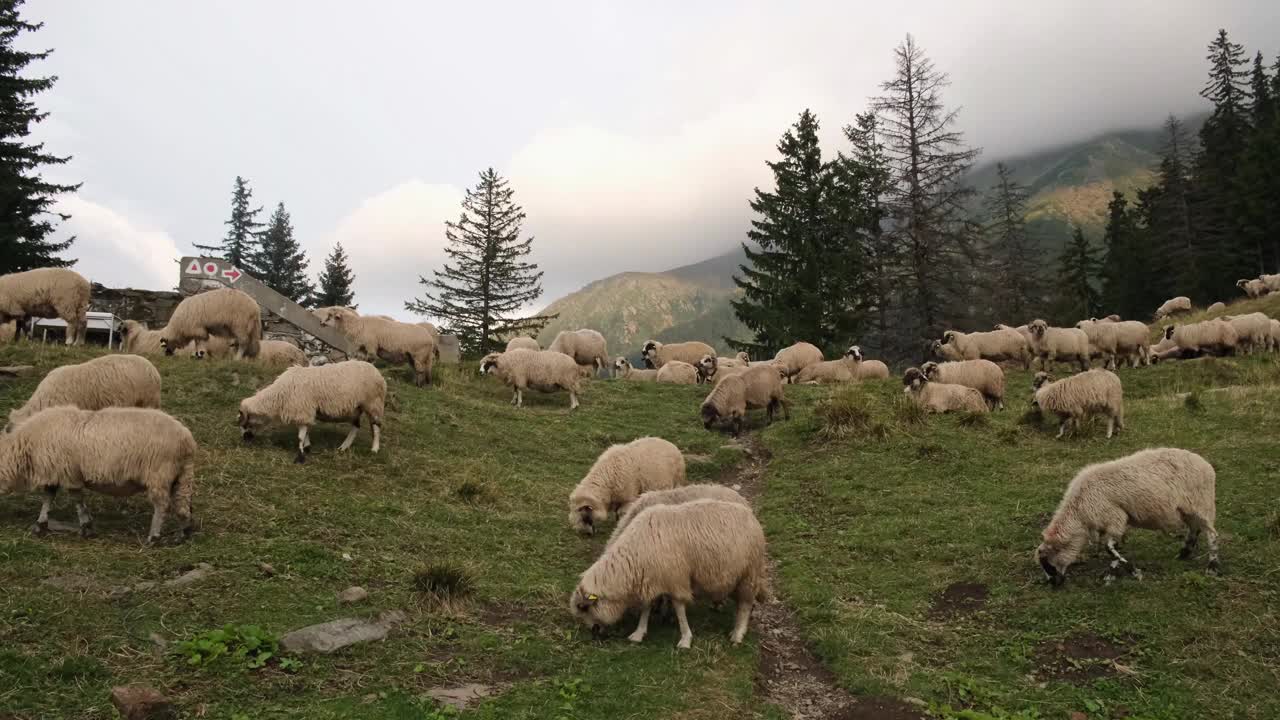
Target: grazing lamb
{"type": "Point", "coordinates": [1179, 304]}
{"type": "Point", "coordinates": [47, 293]}
{"type": "Point", "coordinates": [713, 548]}
{"type": "Point", "coordinates": [677, 372]}
{"type": "Point", "coordinates": [1093, 392]}
{"type": "Point", "coordinates": [1217, 336]}
{"type": "Point", "coordinates": [395, 342]}
{"type": "Point", "coordinates": [523, 343]}
{"type": "Point", "coordinates": [938, 397]}
{"type": "Point", "coordinates": [1001, 345]}
{"type": "Point", "coordinates": [303, 396]}
{"type": "Point", "coordinates": [982, 375]}
{"type": "Point", "coordinates": [1253, 288]}
{"type": "Point", "coordinates": [280, 353]}
{"type": "Point", "coordinates": [586, 347]}
{"type": "Point", "coordinates": [675, 496]}
{"type": "Point", "coordinates": [1253, 331]}
{"type": "Point", "coordinates": [1165, 489]}
{"type": "Point", "coordinates": [795, 358]}
{"type": "Point", "coordinates": [657, 354]}
{"type": "Point", "coordinates": [621, 474]}
{"type": "Point", "coordinates": [107, 381]}
{"type": "Point", "coordinates": [622, 368]}
{"type": "Point", "coordinates": [542, 370]}
{"type": "Point", "coordinates": [849, 368]}
{"type": "Point", "coordinates": [1059, 344]}
{"type": "Point", "coordinates": [114, 451]}
{"type": "Point", "coordinates": [733, 396]}
{"type": "Point", "coordinates": [223, 312]}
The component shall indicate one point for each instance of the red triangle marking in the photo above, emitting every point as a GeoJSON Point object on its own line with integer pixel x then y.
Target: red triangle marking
{"type": "Point", "coordinates": [194, 267]}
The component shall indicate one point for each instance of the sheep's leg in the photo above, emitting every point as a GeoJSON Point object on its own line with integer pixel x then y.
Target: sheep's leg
{"type": "Point", "coordinates": [157, 521]}
{"type": "Point", "coordinates": [686, 635]}
{"type": "Point", "coordinates": [82, 513]}
{"type": "Point", "coordinates": [573, 400]}
{"type": "Point", "coordinates": [351, 436]}
{"type": "Point", "coordinates": [1062, 427]}
{"type": "Point", "coordinates": [744, 617]}
{"type": "Point", "coordinates": [1111, 425]}
{"type": "Point", "coordinates": [1214, 565]}
{"type": "Point", "coordinates": [303, 442]}
{"type": "Point", "coordinates": [643, 628]}
{"type": "Point", "coordinates": [377, 436]}
{"type": "Point", "coordinates": [42, 522]}
{"type": "Point", "coordinates": [1119, 561]}
{"type": "Point", "coordinates": [1189, 547]}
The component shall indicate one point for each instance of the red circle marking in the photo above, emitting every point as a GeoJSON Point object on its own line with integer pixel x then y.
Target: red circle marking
{"type": "Point", "coordinates": [210, 269]}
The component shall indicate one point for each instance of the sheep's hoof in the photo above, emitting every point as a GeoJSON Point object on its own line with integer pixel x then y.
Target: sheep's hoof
{"type": "Point", "coordinates": [1215, 568]}
{"type": "Point", "coordinates": [153, 541]}
{"type": "Point", "coordinates": [40, 529]}
{"type": "Point", "coordinates": [87, 531]}
{"type": "Point", "coordinates": [636, 637]}
{"type": "Point", "coordinates": [684, 644]}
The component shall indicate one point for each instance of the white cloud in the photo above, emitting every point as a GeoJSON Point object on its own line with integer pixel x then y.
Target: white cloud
{"type": "Point", "coordinates": [116, 250]}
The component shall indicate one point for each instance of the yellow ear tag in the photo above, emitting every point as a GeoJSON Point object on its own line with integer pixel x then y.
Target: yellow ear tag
{"type": "Point", "coordinates": [592, 598]}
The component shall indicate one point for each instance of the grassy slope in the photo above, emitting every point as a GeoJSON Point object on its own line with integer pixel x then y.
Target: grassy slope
{"type": "Point", "coordinates": [391, 513]}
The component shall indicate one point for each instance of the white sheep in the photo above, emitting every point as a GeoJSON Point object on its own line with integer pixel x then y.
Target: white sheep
{"type": "Point", "coordinates": [136, 339]}
{"type": "Point", "coordinates": [1217, 336]}
{"type": "Point", "coordinates": [997, 346]}
{"type": "Point", "coordinates": [280, 353]}
{"type": "Point", "coordinates": [657, 354]}
{"type": "Point", "coordinates": [1179, 304]}
{"type": "Point", "coordinates": [114, 451]}
{"type": "Point", "coordinates": [395, 342]}
{"type": "Point", "coordinates": [795, 358]}
{"type": "Point", "coordinates": [946, 352]}
{"type": "Point", "coordinates": [1271, 281]}
{"type": "Point", "coordinates": [713, 548]}
{"type": "Point", "coordinates": [1219, 306]}
{"type": "Point", "coordinates": [107, 381]}
{"type": "Point", "coordinates": [46, 293]}
{"type": "Point", "coordinates": [1274, 342]}
{"type": "Point", "coordinates": [1253, 331]}
{"type": "Point", "coordinates": [1253, 288]}
{"type": "Point", "coordinates": [541, 370]}
{"type": "Point", "coordinates": [982, 375]}
{"type": "Point", "coordinates": [523, 342]}
{"type": "Point", "coordinates": [620, 475]}
{"type": "Point", "coordinates": [677, 372]}
{"type": "Point", "coordinates": [224, 312]}
{"type": "Point", "coordinates": [303, 396]}
{"type": "Point", "coordinates": [586, 347]}
{"type": "Point", "coordinates": [1165, 489]}
{"type": "Point", "coordinates": [935, 397]}
{"type": "Point", "coordinates": [734, 395]}
{"type": "Point", "coordinates": [1059, 344]}
{"type": "Point", "coordinates": [622, 368]}
{"type": "Point", "coordinates": [1117, 340]}
{"type": "Point", "coordinates": [674, 496]}
{"type": "Point", "coordinates": [1074, 398]}
{"type": "Point", "coordinates": [849, 368]}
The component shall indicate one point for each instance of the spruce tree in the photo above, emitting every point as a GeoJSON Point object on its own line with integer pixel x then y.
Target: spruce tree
{"type": "Point", "coordinates": [1078, 270]}
{"type": "Point", "coordinates": [869, 166]}
{"type": "Point", "coordinates": [27, 218]}
{"type": "Point", "coordinates": [927, 200]}
{"type": "Point", "coordinates": [280, 262]}
{"type": "Point", "coordinates": [478, 294]}
{"type": "Point", "coordinates": [243, 241]}
{"type": "Point", "coordinates": [1169, 219]}
{"type": "Point", "coordinates": [1015, 290]}
{"type": "Point", "coordinates": [336, 280]}
{"type": "Point", "coordinates": [1123, 267]}
{"type": "Point", "coordinates": [1260, 168]}
{"type": "Point", "coordinates": [1264, 102]}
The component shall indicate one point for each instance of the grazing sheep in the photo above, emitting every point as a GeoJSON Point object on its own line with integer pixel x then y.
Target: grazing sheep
{"type": "Point", "coordinates": [542, 370]}
{"type": "Point", "coordinates": [429, 327]}
{"type": "Point", "coordinates": [1253, 288]}
{"type": "Point", "coordinates": [302, 396]}
{"type": "Point", "coordinates": [621, 474]}
{"type": "Point", "coordinates": [280, 353]}
{"type": "Point", "coordinates": [1271, 281]}
{"type": "Point", "coordinates": [713, 548]}
{"type": "Point", "coordinates": [938, 397]}
{"type": "Point", "coordinates": [1219, 306]}
{"type": "Point", "coordinates": [1059, 344]}
{"type": "Point", "coordinates": [114, 451]}
{"type": "Point", "coordinates": [677, 372]}
{"type": "Point", "coordinates": [1165, 489]}
{"type": "Point", "coordinates": [795, 358]}
{"type": "Point", "coordinates": [47, 293]}
{"type": "Point", "coordinates": [523, 343]}
{"type": "Point", "coordinates": [849, 368]}
{"type": "Point", "coordinates": [107, 381]}
{"type": "Point", "coordinates": [1179, 304]}
{"type": "Point", "coordinates": [1117, 340]}
{"type": "Point", "coordinates": [136, 339]}
{"type": "Point", "coordinates": [586, 347]}
{"type": "Point", "coordinates": [1093, 392]}
{"type": "Point", "coordinates": [395, 342]}
{"type": "Point", "coordinates": [657, 354]}
{"type": "Point", "coordinates": [1001, 345]}
{"type": "Point", "coordinates": [982, 375]}
{"type": "Point", "coordinates": [223, 312]}
{"type": "Point", "coordinates": [1217, 336]}
{"type": "Point", "coordinates": [1253, 331]}
{"type": "Point", "coordinates": [733, 396]}
{"type": "Point", "coordinates": [622, 368]}
{"type": "Point", "coordinates": [674, 496]}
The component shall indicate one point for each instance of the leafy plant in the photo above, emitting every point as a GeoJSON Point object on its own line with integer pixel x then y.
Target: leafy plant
{"type": "Point", "coordinates": [248, 645]}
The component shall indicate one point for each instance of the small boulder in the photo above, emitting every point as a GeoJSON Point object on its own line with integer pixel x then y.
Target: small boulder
{"type": "Point", "coordinates": [141, 702]}
{"type": "Point", "coordinates": [332, 636]}
{"type": "Point", "coordinates": [351, 595]}
{"type": "Point", "coordinates": [266, 569]}
{"type": "Point", "coordinates": [201, 571]}
{"type": "Point", "coordinates": [460, 697]}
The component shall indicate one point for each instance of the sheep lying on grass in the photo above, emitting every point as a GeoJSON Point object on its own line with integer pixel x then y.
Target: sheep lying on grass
{"type": "Point", "coordinates": [523, 343]}
{"type": "Point", "coordinates": [982, 375]}
{"type": "Point", "coordinates": [224, 312]}
{"type": "Point", "coordinates": [1158, 489]}
{"type": "Point", "coordinates": [658, 354]}
{"type": "Point", "coordinates": [302, 396]}
{"type": "Point", "coordinates": [713, 548]}
{"type": "Point", "coordinates": [622, 368]}
{"type": "Point", "coordinates": [1173, 306]}
{"type": "Point", "coordinates": [620, 475]}
{"type": "Point", "coordinates": [849, 368]}
{"type": "Point", "coordinates": [586, 347]}
{"type": "Point", "coordinates": [542, 370]}
{"type": "Point", "coordinates": [1059, 344]}
{"type": "Point", "coordinates": [936, 397]}
{"type": "Point", "coordinates": [107, 381]}
{"type": "Point", "coordinates": [45, 293]}
{"type": "Point", "coordinates": [395, 342]}
{"type": "Point", "coordinates": [675, 496]}
{"type": "Point", "coordinates": [733, 396]}
{"type": "Point", "coordinates": [280, 353]}
{"type": "Point", "coordinates": [795, 358]}
{"type": "Point", "coordinates": [677, 372]}
{"type": "Point", "coordinates": [1216, 307]}
{"type": "Point", "coordinates": [116, 451]}
{"type": "Point", "coordinates": [1075, 398]}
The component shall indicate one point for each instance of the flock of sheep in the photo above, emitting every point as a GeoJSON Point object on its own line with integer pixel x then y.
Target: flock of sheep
{"type": "Point", "coordinates": [97, 425]}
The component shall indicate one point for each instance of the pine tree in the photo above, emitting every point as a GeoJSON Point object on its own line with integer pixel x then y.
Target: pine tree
{"type": "Point", "coordinates": [927, 200]}
{"type": "Point", "coordinates": [280, 262]}
{"type": "Point", "coordinates": [1260, 168]}
{"type": "Point", "coordinates": [801, 283]}
{"type": "Point", "coordinates": [243, 240]}
{"type": "Point", "coordinates": [1179, 264]}
{"type": "Point", "coordinates": [1264, 102]}
{"type": "Point", "coordinates": [478, 295]}
{"type": "Point", "coordinates": [1078, 270]}
{"type": "Point", "coordinates": [1123, 266]}
{"type": "Point", "coordinates": [1016, 287]}
{"type": "Point", "coordinates": [27, 217]}
{"type": "Point", "coordinates": [868, 164]}
{"type": "Point", "coordinates": [335, 281]}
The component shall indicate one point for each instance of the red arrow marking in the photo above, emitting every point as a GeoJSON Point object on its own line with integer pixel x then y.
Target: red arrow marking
{"type": "Point", "coordinates": [232, 274]}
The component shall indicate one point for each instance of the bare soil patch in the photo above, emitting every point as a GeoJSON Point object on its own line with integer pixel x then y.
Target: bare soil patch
{"type": "Point", "coordinates": [960, 598]}
{"type": "Point", "coordinates": [1080, 658]}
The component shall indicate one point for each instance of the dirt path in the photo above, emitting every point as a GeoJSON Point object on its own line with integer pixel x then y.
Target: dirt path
{"type": "Point", "coordinates": [790, 676]}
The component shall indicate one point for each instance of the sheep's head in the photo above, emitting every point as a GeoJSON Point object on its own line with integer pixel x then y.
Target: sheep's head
{"type": "Point", "coordinates": [913, 379]}
{"type": "Point", "coordinates": [585, 514]}
{"type": "Point", "coordinates": [1057, 552]}
{"type": "Point", "coordinates": [621, 366]}
{"type": "Point", "coordinates": [855, 353]}
{"type": "Point", "coordinates": [649, 349]}
{"type": "Point", "coordinates": [929, 370]}
{"type": "Point", "coordinates": [166, 345]}
{"type": "Point", "coordinates": [1241, 283]}
{"type": "Point", "coordinates": [489, 363]}
{"type": "Point", "coordinates": [594, 610]}
{"type": "Point", "coordinates": [709, 415]}
{"type": "Point", "coordinates": [948, 337]}
{"type": "Point", "coordinates": [1040, 379]}
{"type": "Point", "coordinates": [1038, 328]}
{"type": "Point", "coordinates": [249, 421]}
{"type": "Point", "coordinates": [708, 365]}
{"type": "Point", "coordinates": [1168, 332]}
{"type": "Point", "coordinates": [743, 357]}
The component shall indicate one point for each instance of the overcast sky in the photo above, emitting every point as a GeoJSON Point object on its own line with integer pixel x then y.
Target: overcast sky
{"type": "Point", "coordinates": [633, 133]}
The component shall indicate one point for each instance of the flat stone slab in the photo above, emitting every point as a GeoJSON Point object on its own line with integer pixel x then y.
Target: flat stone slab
{"type": "Point", "coordinates": [13, 371]}
{"type": "Point", "coordinates": [334, 635]}
{"type": "Point", "coordinates": [201, 571]}
{"type": "Point", "coordinates": [462, 696]}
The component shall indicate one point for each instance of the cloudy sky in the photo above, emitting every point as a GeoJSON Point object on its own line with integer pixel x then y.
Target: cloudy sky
{"type": "Point", "coordinates": [633, 133]}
